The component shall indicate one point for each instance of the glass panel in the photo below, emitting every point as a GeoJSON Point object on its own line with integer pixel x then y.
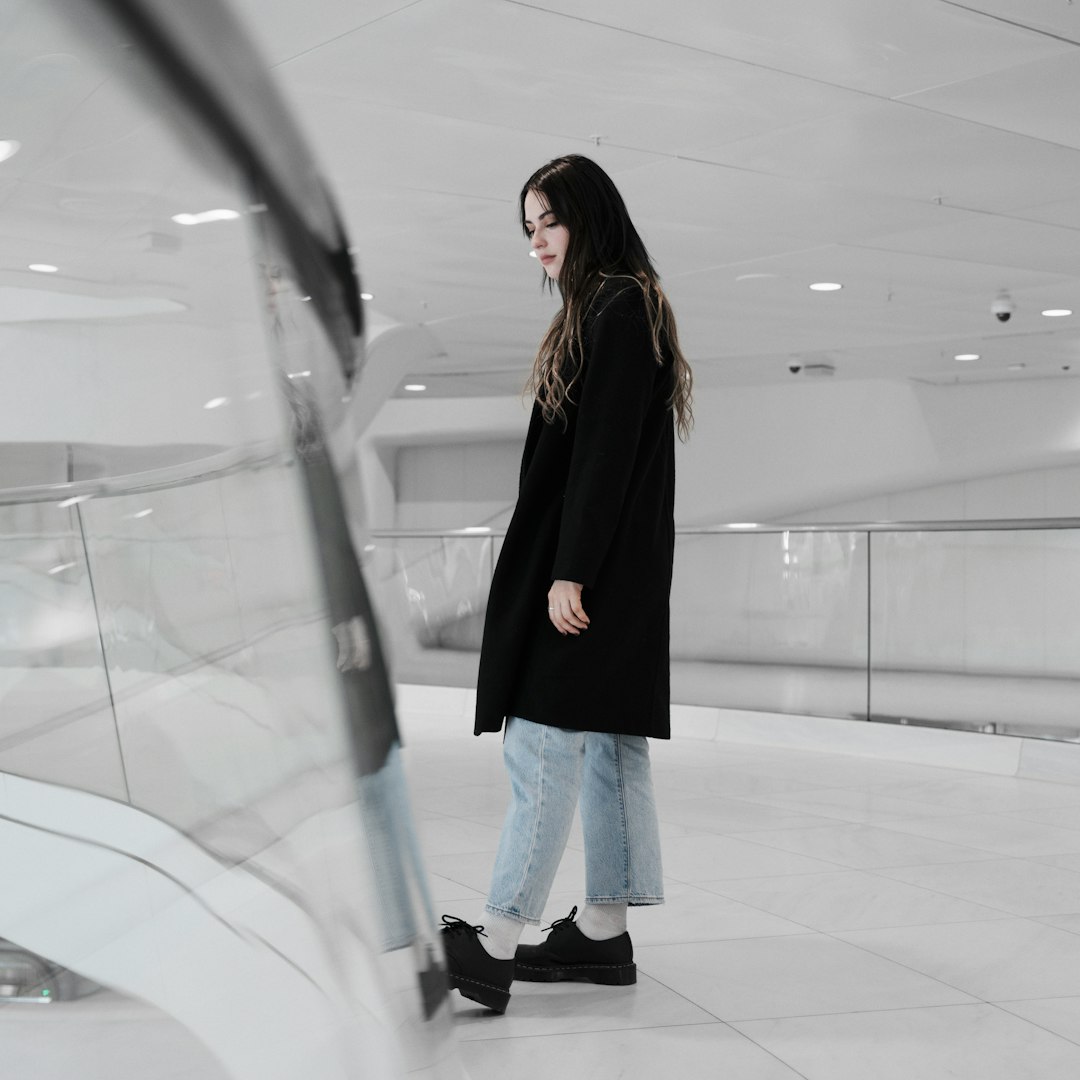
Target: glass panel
{"type": "Point", "coordinates": [771, 621]}
{"type": "Point", "coordinates": [978, 630]}
{"type": "Point", "coordinates": [56, 717]}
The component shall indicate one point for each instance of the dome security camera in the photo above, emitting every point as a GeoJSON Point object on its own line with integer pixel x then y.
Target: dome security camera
{"type": "Point", "coordinates": [794, 367]}
{"type": "Point", "coordinates": [1002, 308]}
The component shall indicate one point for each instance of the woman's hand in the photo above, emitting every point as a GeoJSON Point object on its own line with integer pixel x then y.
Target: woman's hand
{"type": "Point", "coordinates": [564, 608]}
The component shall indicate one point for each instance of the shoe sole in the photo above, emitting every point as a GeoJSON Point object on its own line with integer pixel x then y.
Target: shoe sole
{"type": "Point", "coordinates": [603, 974]}
{"type": "Point", "coordinates": [491, 997]}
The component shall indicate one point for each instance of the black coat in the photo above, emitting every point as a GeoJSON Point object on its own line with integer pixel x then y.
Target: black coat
{"type": "Point", "coordinates": [595, 505]}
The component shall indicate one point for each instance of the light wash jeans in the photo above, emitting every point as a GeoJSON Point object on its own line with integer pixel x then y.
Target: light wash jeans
{"type": "Point", "coordinates": [549, 769]}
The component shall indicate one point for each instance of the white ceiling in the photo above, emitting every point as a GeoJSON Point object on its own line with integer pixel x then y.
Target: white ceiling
{"type": "Point", "coordinates": [924, 153]}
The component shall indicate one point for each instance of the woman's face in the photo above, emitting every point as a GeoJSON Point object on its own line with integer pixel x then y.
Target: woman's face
{"type": "Point", "coordinates": [548, 237]}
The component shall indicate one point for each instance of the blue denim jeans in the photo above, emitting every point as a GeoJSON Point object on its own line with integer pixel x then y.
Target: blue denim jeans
{"type": "Point", "coordinates": [550, 769]}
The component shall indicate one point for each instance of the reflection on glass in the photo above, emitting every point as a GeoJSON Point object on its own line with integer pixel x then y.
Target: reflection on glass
{"type": "Point", "coordinates": [432, 595]}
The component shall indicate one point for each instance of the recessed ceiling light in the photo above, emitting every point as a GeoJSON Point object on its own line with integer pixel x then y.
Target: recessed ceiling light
{"type": "Point", "coordinates": [743, 525]}
{"type": "Point", "coordinates": [477, 529]}
{"type": "Point", "coordinates": [204, 216]}
{"type": "Point", "coordinates": [8, 148]}
{"type": "Point", "coordinates": [43, 268]}
{"type": "Point", "coordinates": [1056, 313]}
{"type": "Point", "coordinates": [366, 296]}
{"type": "Point", "coordinates": [216, 403]}
{"type": "Point", "coordinates": [966, 356]}
{"type": "Point", "coordinates": [414, 387]}
{"type": "Point", "coordinates": [826, 286]}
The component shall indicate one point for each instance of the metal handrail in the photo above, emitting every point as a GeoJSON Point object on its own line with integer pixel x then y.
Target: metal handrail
{"type": "Point", "coordinates": [236, 459]}
{"type": "Point", "coordinates": [980, 525]}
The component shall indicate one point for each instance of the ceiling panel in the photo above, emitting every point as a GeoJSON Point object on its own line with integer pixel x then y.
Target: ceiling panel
{"type": "Point", "coordinates": [1052, 16]}
{"type": "Point", "coordinates": [1037, 99]}
{"type": "Point", "coordinates": [899, 150]}
{"type": "Point", "coordinates": [747, 138]}
{"type": "Point", "coordinates": [883, 47]}
{"type": "Point", "coordinates": [598, 82]}
{"type": "Point", "coordinates": [810, 212]}
{"type": "Point", "coordinates": [995, 241]}
{"type": "Point", "coordinates": [1063, 212]}
{"type": "Point", "coordinates": [285, 29]}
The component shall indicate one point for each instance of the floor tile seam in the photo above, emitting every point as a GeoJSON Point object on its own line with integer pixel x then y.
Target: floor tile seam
{"type": "Point", "coordinates": [777, 804]}
{"type": "Point", "coordinates": [1003, 915]}
{"type": "Point", "coordinates": [766, 1049]}
{"type": "Point", "coordinates": [468, 820]}
{"type": "Point", "coordinates": [678, 993]}
{"type": "Point", "coordinates": [934, 978]}
{"type": "Point", "coordinates": [1034, 1023]}
{"type": "Point", "coordinates": [714, 1022]}
{"type": "Point", "coordinates": [881, 872]}
{"type": "Point", "coordinates": [749, 877]}
{"type": "Point", "coordinates": [977, 1003]}
{"type": "Point", "coordinates": [681, 796]}
{"type": "Point", "coordinates": [1042, 997]}
{"type": "Point", "coordinates": [914, 836]}
{"type": "Point", "coordinates": [753, 907]}
{"type": "Point", "coordinates": [1043, 918]}
{"type": "Point", "coordinates": [804, 931]}
{"type": "Point", "coordinates": [972, 845]}
{"type": "Point", "coordinates": [878, 872]}
{"type": "Point", "coordinates": [898, 866]}
{"type": "Point", "coordinates": [705, 831]}
{"type": "Point", "coordinates": [1018, 815]}
{"type": "Point", "coordinates": [454, 880]}
{"type": "Point", "coordinates": [809, 932]}
{"type": "Point", "coordinates": [1038, 858]}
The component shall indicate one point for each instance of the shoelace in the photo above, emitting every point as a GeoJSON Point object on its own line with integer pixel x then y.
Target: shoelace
{"type": "Point", "coordinates": [453, 925]}
{"type": "Point", "coordinates": [563, 923]}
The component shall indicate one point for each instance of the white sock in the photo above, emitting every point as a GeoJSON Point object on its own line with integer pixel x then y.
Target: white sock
{"type": "Point", "coordinates": [500, 937]}
{"type": "Point", "coordinates": [602, 921]}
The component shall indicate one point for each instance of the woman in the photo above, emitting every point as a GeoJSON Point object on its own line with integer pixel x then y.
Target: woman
{"type": "Point", "coordinates": [575, 650]}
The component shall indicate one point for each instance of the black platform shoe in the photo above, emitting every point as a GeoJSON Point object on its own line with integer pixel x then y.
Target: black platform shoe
{"type": "Point", "coordinates": [472, 969]}
{"type": "Point", "coordinates": [568, 955]}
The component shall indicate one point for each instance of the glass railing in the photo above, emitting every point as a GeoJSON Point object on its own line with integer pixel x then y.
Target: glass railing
{"type": "Point", "coordinates": [964, 624]}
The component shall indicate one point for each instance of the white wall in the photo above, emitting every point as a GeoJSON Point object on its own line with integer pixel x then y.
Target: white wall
{"type": "Point", "coordinates": [780, 452]}
{"type": "Point", "coordinates": [456, 485]}
{"type": "Point", "coordinates": [835, 450]}
{"type": "Point", "coordinates": [438, 475]}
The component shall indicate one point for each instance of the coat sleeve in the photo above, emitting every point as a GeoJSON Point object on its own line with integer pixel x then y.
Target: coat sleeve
{"type": "Point", "coordinates": [617, 387]}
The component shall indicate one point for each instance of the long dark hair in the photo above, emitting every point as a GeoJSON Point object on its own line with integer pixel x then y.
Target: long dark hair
{"type": "Point", "coordinates": [602, 245]}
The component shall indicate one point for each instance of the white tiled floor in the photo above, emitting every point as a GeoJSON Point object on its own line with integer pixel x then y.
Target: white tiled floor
{"type": "Point", "coordinates": [829, 917]}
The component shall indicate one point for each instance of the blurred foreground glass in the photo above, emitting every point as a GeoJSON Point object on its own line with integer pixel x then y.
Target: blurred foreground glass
{"type": "Point", "coordinates": [211, 867]}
